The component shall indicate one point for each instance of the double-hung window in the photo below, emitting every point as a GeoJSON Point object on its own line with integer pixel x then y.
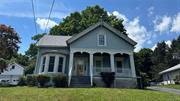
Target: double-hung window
{"type": "Point", "coordinates": [43, 63]}
{"type": "Point", "coordinates": [101, 40]}
{"type": "Point", "coordinates": [60, 65]}
{"type": "Point", "coordinates": [51, 63]}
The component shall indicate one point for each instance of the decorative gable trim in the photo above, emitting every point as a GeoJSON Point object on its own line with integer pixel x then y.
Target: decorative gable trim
{"type": "Point", "coordinates": [118, 33]}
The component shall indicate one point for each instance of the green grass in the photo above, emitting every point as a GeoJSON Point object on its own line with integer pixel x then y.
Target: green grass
{"type": "Point", "coordinates": [171, 86]}
{"type": "Point", "coordinates": [83, 94]}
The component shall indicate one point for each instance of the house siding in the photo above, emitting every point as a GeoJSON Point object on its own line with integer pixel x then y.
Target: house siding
{"type": "Point", "coordinates": [89, 41]}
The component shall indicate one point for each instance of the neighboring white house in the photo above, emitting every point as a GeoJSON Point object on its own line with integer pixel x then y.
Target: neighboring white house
{"type": "Point", "coordinates": [12, 74]}
{"type": "Point", "coordinates": [169, 75]}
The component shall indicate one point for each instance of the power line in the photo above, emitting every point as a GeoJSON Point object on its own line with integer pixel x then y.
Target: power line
{"type": "Point", "coordinates": [49, 15]}
{"type": "Point", "coordinates": [34, 16]}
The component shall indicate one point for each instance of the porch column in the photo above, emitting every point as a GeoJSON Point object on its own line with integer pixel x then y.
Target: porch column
{"type": "Point", "coordinates": [70, 67]}
{"type": "Point", "coordinates": [112, 63]}
{"type": "Point", "coordinates": [91, 67]}
{"type": "Point", "coordinates": [46, 64]}
{"type": "Point", "coordinates": [56, 64]}
{"type": "Point", "coordinates": [40, 66]}
{"type": "Point", "coordinates": [132, 65]}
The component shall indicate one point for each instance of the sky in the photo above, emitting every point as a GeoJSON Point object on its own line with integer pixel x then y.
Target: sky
{"type": "Point", "coordinates": [146, 21]}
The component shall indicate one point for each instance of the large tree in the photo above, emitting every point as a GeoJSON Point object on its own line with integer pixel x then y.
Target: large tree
{"type": "Point", "coordinates": [9, 41]}
{"type": "Point", "coordinates": [160, 59]}
{"type": "Point", "coordinates": [78, 21]}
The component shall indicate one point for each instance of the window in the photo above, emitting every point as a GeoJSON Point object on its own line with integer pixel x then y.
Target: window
{"type": "Point", "coordinates": [51, 64]}
{"type": "Point", "coordinates": [43, 64]}
{"type": "Point", "coordinates": [60, 64]}
{"type": "Point", "coordinates": [13, 67]}
{"type": "Point", "coordinates": [119, 66]}
{"type": "Point", "coordinates": [101, 40]}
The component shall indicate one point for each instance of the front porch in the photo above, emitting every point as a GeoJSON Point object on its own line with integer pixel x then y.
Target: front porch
{"type": "Point", "coordinates": [91, 64]}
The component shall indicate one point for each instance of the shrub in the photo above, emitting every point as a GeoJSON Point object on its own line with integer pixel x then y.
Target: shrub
{"type": "Point", "coordinates": [22, 81]}
{"type": "Point", "coordinates": [108, 78]}
{"type": "Point", "coordinates": [31, 80]}
{"type": "Point", "coordinates": [43, 79]}
{"type": "Point", "coordinates": [59, 80]}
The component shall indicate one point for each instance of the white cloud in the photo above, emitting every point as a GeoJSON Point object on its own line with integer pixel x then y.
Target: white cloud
{"type": "Point", "coordinates": [135, 31]}
{"type": "Point", "coordinates": [150, 11]}
{"type": "Point", "coordinates": [163, 25]}
{"type": "Point", "coordinates": [176, 24]}
{"type": "Point", "coordinates": [138, 33]}
{"type": "Point", "coordinates": [169, 42]}
{"type": "Point", "coordinates": [120, 16]}
{"type": "Point", "coordinates": [43, 22]}
{"type": "Point", "coordinates": [154, 47]}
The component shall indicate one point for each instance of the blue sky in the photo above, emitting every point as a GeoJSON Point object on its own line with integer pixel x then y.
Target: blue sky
{"type": "Point", "coordinates": [146, 21]}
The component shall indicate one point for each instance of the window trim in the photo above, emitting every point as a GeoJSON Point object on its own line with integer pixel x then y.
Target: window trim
{"type": "Point", "coordinates": [105, 42]}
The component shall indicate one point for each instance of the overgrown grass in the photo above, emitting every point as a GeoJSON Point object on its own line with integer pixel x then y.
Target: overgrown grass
{"type": "Point", "coordinates": [171, 86]}
{"type": "Point", "coordinates": [82, 94]}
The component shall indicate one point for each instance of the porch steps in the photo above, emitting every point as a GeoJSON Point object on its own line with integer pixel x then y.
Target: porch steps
{"type": "Point", "coordinates": [80, 81]}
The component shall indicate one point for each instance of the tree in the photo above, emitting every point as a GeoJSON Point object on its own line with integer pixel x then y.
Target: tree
{"type": "Point", "coordinates": [78, 21]}
{"type": "Point", "coordinates": [9, 41]}
{"type": "Point", "coordinates": [159, 59]}
{"type": "Point", "coordinates": [143, 64]}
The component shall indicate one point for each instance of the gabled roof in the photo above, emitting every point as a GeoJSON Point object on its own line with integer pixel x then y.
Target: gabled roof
{"type": "Point", "coordinates": [123, 36]}
{"type": "Point", "coordinates": [171, 69]}
{"type": "Point", "coordinates": [53, 41]}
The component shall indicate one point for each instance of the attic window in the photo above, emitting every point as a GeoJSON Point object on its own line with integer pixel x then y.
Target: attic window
{"type": "Point", "coordinates": [101, 40]}
{"type": "Point", "coordinates": [13, 67]}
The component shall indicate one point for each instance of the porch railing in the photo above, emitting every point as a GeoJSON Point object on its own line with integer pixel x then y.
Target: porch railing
{"type": "Point", "coordinates": [123, 72]}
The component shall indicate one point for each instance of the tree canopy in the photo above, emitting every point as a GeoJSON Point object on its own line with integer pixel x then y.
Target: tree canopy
{"type": "Point", "coordinates": [9, 41]}
{"type": "Point", "coordinates": [78, 21]}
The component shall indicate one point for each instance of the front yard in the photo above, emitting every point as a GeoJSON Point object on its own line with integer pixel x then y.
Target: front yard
{"type": "Point", "coordinates": [82, 94]}
{"type": "Point", "coordinates": [171, 86]}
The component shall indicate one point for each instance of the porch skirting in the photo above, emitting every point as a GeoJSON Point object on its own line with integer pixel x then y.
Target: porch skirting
{"type": "Point", "coordinates": [118, 82]}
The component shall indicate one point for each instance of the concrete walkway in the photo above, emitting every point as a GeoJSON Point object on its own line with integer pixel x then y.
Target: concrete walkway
{"type": "Point", "coordinates": [169, 90]}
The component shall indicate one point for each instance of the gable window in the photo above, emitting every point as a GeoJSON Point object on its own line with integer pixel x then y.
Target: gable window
{"type": "Point", "coordinates": [51, 63]}
{"type": "Point", "coordinates": [60, 65]}
{"type": "Point", "coordinates": [13, 67]}
{"type": "Point", "coordinates": [101, 40]}
{"type": "Point", "coordinates": [43, 64]}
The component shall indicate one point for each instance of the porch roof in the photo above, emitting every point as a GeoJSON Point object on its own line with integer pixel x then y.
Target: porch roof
{"type": "Point", "coordinates": [171, 69]}
{"type": "Point", "coordinates": [53, 41]}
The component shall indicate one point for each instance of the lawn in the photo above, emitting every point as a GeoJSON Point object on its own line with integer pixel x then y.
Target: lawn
{"type": "Point", "coordinates": [171, 86]}
{"type": "Point", "coordinates": [82, 94]}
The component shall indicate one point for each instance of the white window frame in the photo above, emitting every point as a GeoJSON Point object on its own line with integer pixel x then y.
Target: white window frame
{"type": "Point", "coordinates": [105, 42]}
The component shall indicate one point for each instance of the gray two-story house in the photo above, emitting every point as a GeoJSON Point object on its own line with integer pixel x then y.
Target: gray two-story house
{"type": "Point", "coordinates": [82, 57]}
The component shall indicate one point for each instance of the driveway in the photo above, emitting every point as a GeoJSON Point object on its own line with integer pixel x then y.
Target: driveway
{"type": "Point", "coordinates": [169, 90]}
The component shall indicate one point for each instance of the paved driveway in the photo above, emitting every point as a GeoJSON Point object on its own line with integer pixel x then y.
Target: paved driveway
{"type": "Point", "coordinates": [170, 90]}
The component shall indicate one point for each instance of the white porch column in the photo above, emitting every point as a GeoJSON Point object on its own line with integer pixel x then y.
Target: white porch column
{"type": "Point", "coordinates": [112, 63]}
{"type": "Point", "coordinates": [132, 65]}
{"type": "Point", "coordinates": [70, 67]}
{"type": "Point", "coordinates": [56, 64]}
{"type": "Point", "coordinates": [40, 66]}
{"type": "Point", "coordinates": [46, 64]}
{"type": "Point", "coordinates": [91, 67]}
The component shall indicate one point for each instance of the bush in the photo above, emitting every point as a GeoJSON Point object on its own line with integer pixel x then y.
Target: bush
{"type": "Point", "coordinates": [22, 81]}
{"type": "Point", "coordinates": [108, 78]}
{"type": "Point", "coordinates": [31, 80]}
{"type": "Point", "coordinates": [43, 79]}
{"type": "Point", "coordinates": [59, 80]}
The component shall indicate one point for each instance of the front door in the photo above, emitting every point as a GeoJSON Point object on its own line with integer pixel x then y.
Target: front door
{"type": "Point", "coordinates": [79, 69]}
